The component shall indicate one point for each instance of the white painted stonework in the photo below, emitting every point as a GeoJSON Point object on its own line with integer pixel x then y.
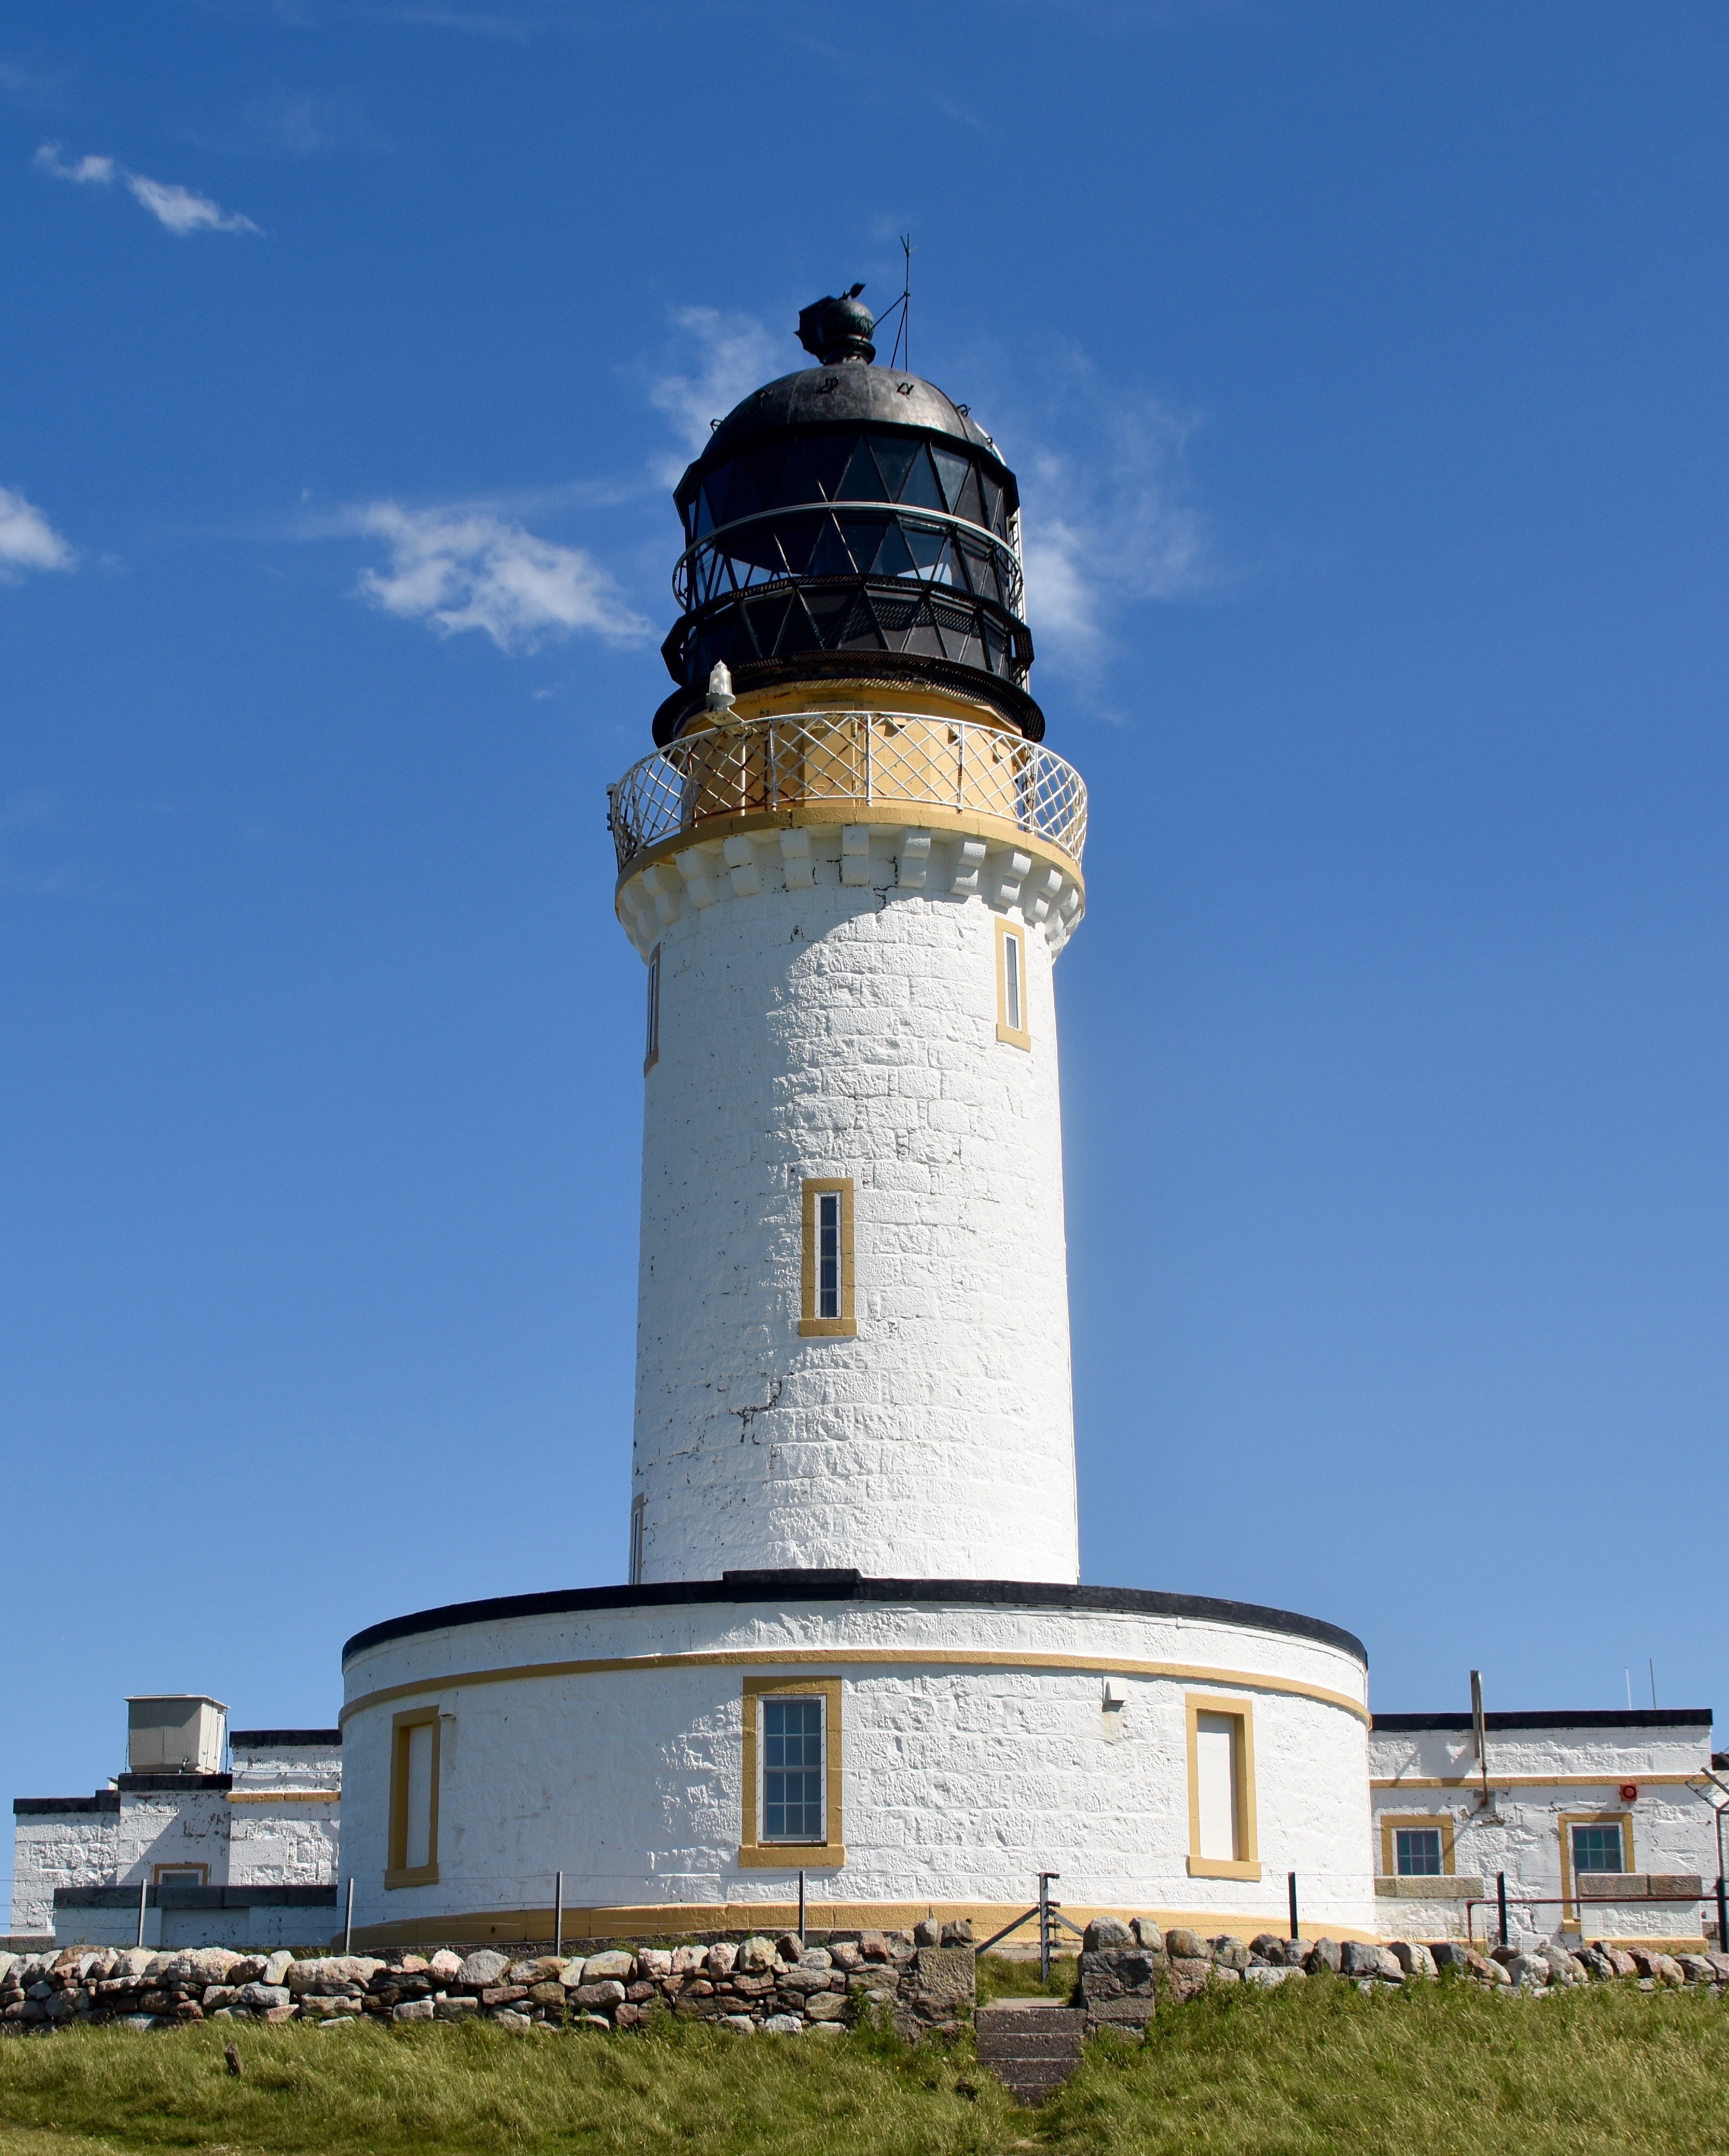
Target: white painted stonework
{"type": "Point", "coordinates": [849, 1028]}
{"type": "Point", "coordinates": [1541, 1777]}
{"type": "Point", "coordinates": [977, 1749]}
{"type": "Point", "coordinates": [278, 1823]}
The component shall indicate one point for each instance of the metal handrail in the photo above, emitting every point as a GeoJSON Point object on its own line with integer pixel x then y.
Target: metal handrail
{"type": "Point", "coordinates": [888, 765]}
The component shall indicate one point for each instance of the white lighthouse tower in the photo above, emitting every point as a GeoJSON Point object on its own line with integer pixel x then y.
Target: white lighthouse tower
{"type": "Point", "coordinates": [853, 1646]}
{"type": "Point", "coordinates": [850, 882]}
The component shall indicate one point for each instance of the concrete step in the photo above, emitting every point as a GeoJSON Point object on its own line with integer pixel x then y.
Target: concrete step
{"type": "Point", "coordinates": [1031, 2046]}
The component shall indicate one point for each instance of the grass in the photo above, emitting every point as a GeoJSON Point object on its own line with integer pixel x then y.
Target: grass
{"type": "Point", "coordinates": [1002, 1978]}
{"type": "Point", "coordinates": [1315, 2069]}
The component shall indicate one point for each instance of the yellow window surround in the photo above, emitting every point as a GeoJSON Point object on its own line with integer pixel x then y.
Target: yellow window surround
{"type": "Point", "coordinates": [831, 1852]}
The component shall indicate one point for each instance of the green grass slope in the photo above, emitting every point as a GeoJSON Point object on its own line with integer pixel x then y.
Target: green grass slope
{"type": "Point", "coordinates": [1440, 2071]}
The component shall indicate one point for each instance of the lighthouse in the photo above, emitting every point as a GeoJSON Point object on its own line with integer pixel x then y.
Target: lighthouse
{"type": "Point", "coordinates": [849, 870]}
{"type": "Point", "coordinates": [853, 1652]}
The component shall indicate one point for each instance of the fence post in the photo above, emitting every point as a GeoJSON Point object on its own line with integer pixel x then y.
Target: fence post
{"type": "Point", "coordinates": [1044, 1924]}
{"type": "Point", "coordinates": [143, 1890]}
{"type": "Point", "coordinates": [1722, 1916]}
{"type": "Point", "coordinates": [348, 1922]}
{"type": "Point", "coordinates": [1291, 1881]}
{"type": "Point", "coordinates": [559, 1914]}
{"type": "Point", "coordinates": [1501, 1898]}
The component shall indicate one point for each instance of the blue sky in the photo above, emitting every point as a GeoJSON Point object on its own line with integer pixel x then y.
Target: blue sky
{"type": "Point", "coordinates": [1364, 367]}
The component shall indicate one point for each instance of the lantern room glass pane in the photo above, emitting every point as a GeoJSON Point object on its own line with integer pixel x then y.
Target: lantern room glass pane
{"type": "Point", "coordinates": [861, 481]}
{"type": "Point", "coordinates": [894, 459]}
{"type": "Point", "coordinates": [953, 471]}
{"type": "Point", "coordinates": [921, 489]}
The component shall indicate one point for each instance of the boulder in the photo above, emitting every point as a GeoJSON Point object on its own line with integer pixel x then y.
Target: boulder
{"type": "Point", "coordinates": [722, 1958]}
{"type": "Point", "coordinates": [817, 1958]}
{"type": "Point", "coordinates": [507, 2017]}
{"type": "Point", "coordinates": [1324, 1953]}
{"type": "Point", "coordinates": [456, 2009]}
{"type": "Point", "coordinates": [1413, 1960]}
{"type": "Point", "coordinates": [687, 1961]}
{"type": "Point", "coordinates": [409, 1964]}
{"type": "Point", "coordinates": [1528, 1972]}
{"type": "Point", "coordinates": [1111, 1972]}
{"type": "Point", "coordinates": [412, 2009]}
{"type": "Point", "coordinates": [1696, 1968]}
{"type": "Point", "coordinates": [740, 2024]}
{"type": "Point", "coordinates": [1266, 1974]}
{"type": "Point", "coordinates": [616, 1963]}
{"type": "Point", "coordinates": [445, 1966]}
{"type": "Point", "coordinates": [927, 1933]}
{"type": "Point", "coordinates": [654, 1961]}
{"type": "Point", "coordinates": [1268, 1946]}
{"type": "Point", "coordinates": [260, 1998]}
{"type": "Point", "coordinates": [958, 1932]}
{"type": "Point", "coordinates": [1185, 1976]}
{"type": "Point", "coordinates": [782, 2024]}
{"type": "Point", "coordinates": [1106, 1932]}
{"type": "Point", "coordinates": [277, 1966]}
{"type": "Point", "coordinates": [1182, 1944]}
{"type": "Point", "coordinates": [1229, 1953]}
{"type": "Point", "coordinates": [827, 2006]}
{"type": "Point", "coordinates": [757, 1956]}
{"type": "Point", "coordinates": [608, 1992]}
{"type": "Point", "coordinates": [247, 1968]}
{"type": "Point", "coordinates": [1564, 1967]}
{"type": "Point", "coordinates": [549, 1993]}
{"type": "Point", "coordinates": [788, 1946]}
{"type": "Point", "coordinates": [1147, 1934]}
{"type": "Point", "coordinates": [482, 1967]}
{"type": "Point", "coordinates": [873, 1946]}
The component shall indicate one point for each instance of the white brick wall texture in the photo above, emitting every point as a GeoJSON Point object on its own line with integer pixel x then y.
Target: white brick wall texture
{"type": "Point", "coordinates": [848, 1031]}
{"type": "Point", "coordinates": [961, 1782]}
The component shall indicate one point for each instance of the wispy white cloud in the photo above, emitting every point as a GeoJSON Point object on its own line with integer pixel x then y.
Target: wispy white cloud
{"type": "Point", "coordinates": [1109, 516]}
{"type": "Point", "coordinates": [734, 353]}
{"type": "Point", "coordinates": [27, 541]}
{"type": "Point", "coordinates": [86, 171]}
{"type": "Point", "coordinates": [180, 209]}
{"type": "Point", "coordinates": [462, 568]}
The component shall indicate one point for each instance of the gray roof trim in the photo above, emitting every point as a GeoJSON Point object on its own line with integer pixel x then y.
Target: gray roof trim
{"type": "Point", "coordinates": [104, 1800]}
{"type": "Point", "coordinates": [256, 1739]}
{"type": "Point", "coordinates": [842, 1585]}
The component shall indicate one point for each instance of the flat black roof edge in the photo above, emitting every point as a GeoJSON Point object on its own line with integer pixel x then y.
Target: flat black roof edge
{"type": "Point", "coordinates": [255, 1737]}
{"type": "Point", "coordinates": [840, 1586]}
{"type": "Point", "coordinates": [104, 1800]}
{"type": "Point", "coordinates": [175, 1782]}
{"type": "Point", "coordinates": [1638, 1717]}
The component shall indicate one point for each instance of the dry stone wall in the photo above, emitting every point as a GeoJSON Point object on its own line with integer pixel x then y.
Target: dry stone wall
{"type": "Point", "coordinates": [921, 1982]}
{"type": "Point", "coordinates": [1127, 1968]}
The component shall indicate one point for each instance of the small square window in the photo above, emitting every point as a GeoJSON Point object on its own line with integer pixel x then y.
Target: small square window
{"type": "Point", "coordinates": [1417, 1851]}
{"type": "Point", "coordinates": [794, 1808]}
{"type": "Point", "coordinates": [1599, 1848]}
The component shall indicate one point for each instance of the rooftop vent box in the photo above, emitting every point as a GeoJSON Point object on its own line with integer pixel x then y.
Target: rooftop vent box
{"type": "Point", "coordinates": [175, 1733]}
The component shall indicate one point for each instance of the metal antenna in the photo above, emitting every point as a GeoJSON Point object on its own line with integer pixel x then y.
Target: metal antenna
{"type": "Point", "coordinates": [901, 330]}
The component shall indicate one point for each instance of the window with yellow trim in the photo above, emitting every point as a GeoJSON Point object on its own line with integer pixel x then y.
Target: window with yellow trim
{"type": "Point", "coordinates": [1221, 1792]}
{"type": "Point", "coordinates": [826, 1300]}
{"type": "Point", "coordinates": [1012, 985]}
{"type": "Point", "coordinates": [413, 1848]}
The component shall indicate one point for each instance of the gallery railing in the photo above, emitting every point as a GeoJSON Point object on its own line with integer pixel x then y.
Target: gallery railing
{"type": "Point", "coordinates": [889, 766]}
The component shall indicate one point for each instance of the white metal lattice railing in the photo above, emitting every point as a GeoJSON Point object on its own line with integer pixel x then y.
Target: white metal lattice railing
{"type": "Point", "coordinates": [888, 763]}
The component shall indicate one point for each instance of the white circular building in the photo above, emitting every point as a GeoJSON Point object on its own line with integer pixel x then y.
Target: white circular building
{"type": "Point", "coordinates": [853, 1646]}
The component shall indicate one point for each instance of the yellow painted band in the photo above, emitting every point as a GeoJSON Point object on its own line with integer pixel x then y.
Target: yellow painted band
{"type": "Point", "coordinates": [974, 1658]}
{"type": "Point", "coordinates": [1536, 1781]}
{"type": "Point", "coordinates": [284, 1796]}
{"type": "Point", "coordinates": [671, 1920]}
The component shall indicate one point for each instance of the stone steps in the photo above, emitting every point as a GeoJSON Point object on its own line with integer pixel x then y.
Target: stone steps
{"type": "Point", "coordinates": [1032, 2045]}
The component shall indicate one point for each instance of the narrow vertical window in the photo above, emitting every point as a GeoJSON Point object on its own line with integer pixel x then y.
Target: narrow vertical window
{"type": "Point", "coordinates": [828, 1254]}
{"type": "Point", "coordinates": [1222, 1789]}
{"type": "Point", "coordinates": [413, 1855]}
{"type": "Point", "coordinates": [1012, 985]}
{"type": "Point", "coordinates": [826, 1300]}
{"type": "Point", "coordinates": [638, 1508]}
{"type": "Point", "coordinates": [794, 1772]}
{"type": "Point", "coordinates": [651, 1034]}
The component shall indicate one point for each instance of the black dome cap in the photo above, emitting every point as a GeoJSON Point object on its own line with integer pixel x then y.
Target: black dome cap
{"type": "Point", "coordinates": [853, 521]}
